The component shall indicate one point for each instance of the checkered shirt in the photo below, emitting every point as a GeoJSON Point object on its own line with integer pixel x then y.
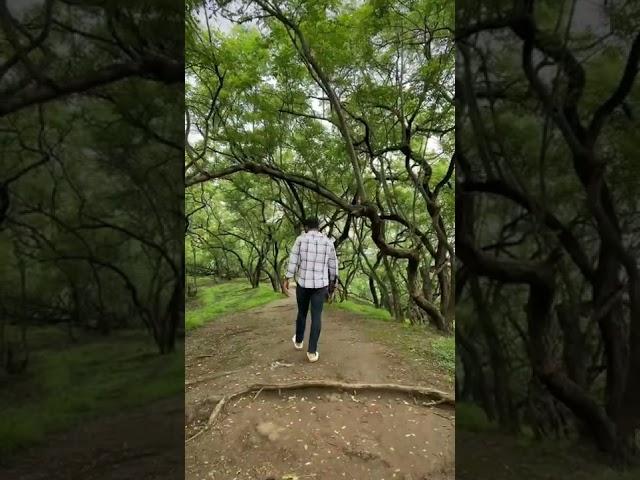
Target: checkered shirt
{"type": "Point", "coordinates": [313, 259]}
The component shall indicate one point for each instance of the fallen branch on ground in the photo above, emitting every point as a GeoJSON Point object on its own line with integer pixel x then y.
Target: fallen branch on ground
{"type": "Point", "coordinates": [439, 397]}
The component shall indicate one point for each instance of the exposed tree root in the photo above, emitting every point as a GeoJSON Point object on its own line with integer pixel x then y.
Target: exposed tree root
{"type": "Point", "coordinates": [438, 397]}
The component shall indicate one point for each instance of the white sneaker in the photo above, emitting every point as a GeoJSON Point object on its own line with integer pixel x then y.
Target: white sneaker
{"type": "Point", "coordinates": [313, 357]}
{"type": "Point", "coordinates": [297, 346]}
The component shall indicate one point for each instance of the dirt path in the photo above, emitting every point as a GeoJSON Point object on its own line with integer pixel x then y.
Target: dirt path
{"type": "Point", "coordinates": [309, 434]}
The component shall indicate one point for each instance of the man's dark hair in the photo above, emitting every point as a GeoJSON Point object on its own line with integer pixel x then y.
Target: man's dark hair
{"type": "Point", "coordinates": [311, 223]}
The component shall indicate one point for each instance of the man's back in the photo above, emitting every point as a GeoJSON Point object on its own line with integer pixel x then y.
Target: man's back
{"type": "Point", "coordinates": [313, 259]}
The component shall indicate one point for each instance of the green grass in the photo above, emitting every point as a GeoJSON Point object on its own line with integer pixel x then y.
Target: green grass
{"type": "Point", "coordinates": [214, 301]}
{"type": "Point", "coordinates": [421, 343]}
{"type": "Point", "coordinates": [64, 387]}
{"type": "Point", "coordinates": [443, 352]}
{"type": "Point", "coordinates": [364, 309]}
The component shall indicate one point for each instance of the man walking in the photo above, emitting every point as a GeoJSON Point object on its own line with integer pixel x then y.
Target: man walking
{"type": "Point", "coordinates": [314, 263]}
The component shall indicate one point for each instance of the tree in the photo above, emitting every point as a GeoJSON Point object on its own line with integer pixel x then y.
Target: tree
{"type": "Point", "coordinates": [368, 135]}
{"type": "Point", "coordinates": [84, 199]}
{"type": "Point", "coordinates": [544, 213]}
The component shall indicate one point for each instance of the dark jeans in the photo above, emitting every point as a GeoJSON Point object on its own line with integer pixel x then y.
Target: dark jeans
{"type": "Point", "coordinates": [314, 297]}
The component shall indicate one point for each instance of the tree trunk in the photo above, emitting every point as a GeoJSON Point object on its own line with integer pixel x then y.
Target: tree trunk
{"type": "Point", "coordinates": [575, 348]}
{"type": "Point", "coordinates": [427, 289]}
{"type": "Point", "coordinates": [476, 385]}
{"type": "Point", "coordinates": [613, 333]}
{"type": "Point", "coordinates": [274, 281]}
{"type": "Point", "coordinates": [173, 318]}
{"type": "Point", "coordinates": [374, 294]}
{"type": "Point", "coordinates": [396, 303]}
{"type": "Point", "coordinates": [503, 401]}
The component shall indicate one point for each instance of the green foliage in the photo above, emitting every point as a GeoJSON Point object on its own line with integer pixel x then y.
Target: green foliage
{"type": "Point", "coordinates": [518, 141]}
{"type": "Point", "coordinates": [92, 232]}
{"type": "Point", "coordinates": [258, 92]}
{"type": "Point", "coordinates": [98, 217]}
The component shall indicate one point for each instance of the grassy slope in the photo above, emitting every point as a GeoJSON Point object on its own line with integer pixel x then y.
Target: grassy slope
{"type": "Point", "coordinates": [67, 383]}
{"type": "Point", "coordinates": [214, 300]}
{"type": "Point", "coordinates": [423, 344]}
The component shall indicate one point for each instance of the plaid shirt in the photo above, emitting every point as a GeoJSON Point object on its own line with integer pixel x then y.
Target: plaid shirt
{"type": "Point", "coordinates": [313, 258]}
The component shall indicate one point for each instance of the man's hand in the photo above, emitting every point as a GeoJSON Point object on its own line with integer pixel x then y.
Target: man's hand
{"type": "Point", "coordinates": [286, 285]}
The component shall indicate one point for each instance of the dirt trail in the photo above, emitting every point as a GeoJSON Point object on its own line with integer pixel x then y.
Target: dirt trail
{"type": "Point", "coordinates": [309, 434]}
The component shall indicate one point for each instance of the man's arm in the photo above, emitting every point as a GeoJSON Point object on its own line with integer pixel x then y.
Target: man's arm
{"type": "Point", "coordinates": [294, 260]}
{"type": "Point", "coordinates": [333, 264]}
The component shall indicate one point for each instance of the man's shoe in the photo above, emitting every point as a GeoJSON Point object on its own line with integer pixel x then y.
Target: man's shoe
{"type": "Point", "coordinates": [313, 357]}
{"type": "Point", "coordinates": [297, 346]}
